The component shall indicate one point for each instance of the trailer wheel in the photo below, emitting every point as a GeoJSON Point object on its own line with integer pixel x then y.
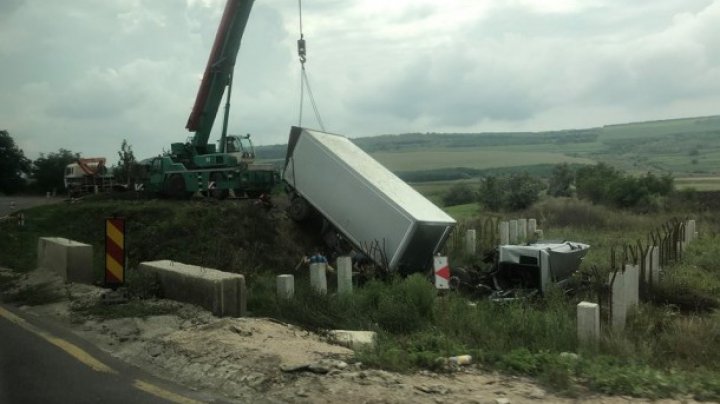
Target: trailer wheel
{"type": "Point", "coordinates": [175, 187]}
{"type": "Point", "coordinates": [299, 209]}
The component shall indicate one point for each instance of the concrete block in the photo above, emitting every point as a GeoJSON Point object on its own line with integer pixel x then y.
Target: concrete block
{"type": "Point", "coordinates": [588, 323]}
{"type": "Point", "coordinates": [522, 231]}
{"type": "Point", "coordinates": [318, 279]}
{"type": "Point", "coordinates": [513, 231]}
{"type": "Point", "coordinates": [285, 286]}
{"type": "Point", "coordinates": [344, 275]}
{"type": "Point", "coordinates": [223, 293]}
{"type": "Point", "coordinates": [471, 242]}
{"type": "Point", "coordinates": [504, 230]}
{"type": "Point", "coordinates": [539, 234]}
{"type": "Point", "coordinates": [68, 258]}
{"type": "Point", "coordinates": [353, 339]}
{"type": "Point", "coordinates": [532, 227]}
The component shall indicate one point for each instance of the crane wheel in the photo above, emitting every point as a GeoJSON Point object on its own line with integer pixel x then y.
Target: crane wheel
{"type": "Point", "coordinates": [175, 187]}
{"type": "Point", "coordinates": [217, 192]}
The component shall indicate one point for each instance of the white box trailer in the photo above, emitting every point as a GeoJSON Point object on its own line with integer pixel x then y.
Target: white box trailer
{"type": "Point", "coordinates": [367, 203]}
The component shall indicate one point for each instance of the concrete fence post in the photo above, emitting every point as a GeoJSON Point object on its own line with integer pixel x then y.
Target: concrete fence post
{"type": "Point", "coordinates": [655, 264]}
{"type": "Point", "coordinates": [471, 242]}
{"type": "Point", "coordinates": [532, 227]}
{"type": "Point", "coordinates": [318, 279]}
{"type": "Point", "coordinates": [588, 323]}
{"type": "Point", "coordinates": [285, 286]}
{"type": "Point", "coordinates": [504, 229]}
{"type": "Point", "coordinates": [690, 231]}
{"type": "Point", "coordinates": [344, 275]}
{"type": "Point", "coordinates": [632, 285]}
{"type": "Point", "coordinates": [513, 232]}
{"type": "Point", "coordinates": [522, 231]}
{"type": "Point", "coordinates": [618, 308]}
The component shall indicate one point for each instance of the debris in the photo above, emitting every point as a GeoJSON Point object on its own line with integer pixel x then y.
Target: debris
{"type": "Point", "coordinates": [461, 360]}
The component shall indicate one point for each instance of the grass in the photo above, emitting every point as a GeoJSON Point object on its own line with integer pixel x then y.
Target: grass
{"type": "Point", "coordinates": [666, 350]}
{"type": "Point", "coordinates": [231, 236]}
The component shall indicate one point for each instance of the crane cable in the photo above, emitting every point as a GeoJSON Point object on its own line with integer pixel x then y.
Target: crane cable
{"type": "Point", "coordinates": [304, 80]}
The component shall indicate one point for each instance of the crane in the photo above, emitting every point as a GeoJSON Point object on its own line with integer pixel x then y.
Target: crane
{"type": "Point", "coordinates": [197, 167]}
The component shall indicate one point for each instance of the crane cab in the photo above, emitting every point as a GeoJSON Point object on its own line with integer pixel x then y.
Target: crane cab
{"type": "Point", "coordinates": [241, 148]}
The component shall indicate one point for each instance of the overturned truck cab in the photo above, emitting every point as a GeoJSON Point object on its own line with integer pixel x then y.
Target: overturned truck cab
{"type": "Point", "coordinates": [537, 266]}
{"type": "Point", "coordinates": [373, 210]}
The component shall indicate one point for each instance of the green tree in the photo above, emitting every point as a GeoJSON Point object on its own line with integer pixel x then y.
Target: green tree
{"type": "Point", "coordinates": [492, 193]}
{"type": "Point", "coordinates": [49, 170]}
{"type": "Point", "coordinates": [523, 191]}
{"type": "Point", "coordinates": [12, 165]}
{"type": "Point", "coordinates": [595, 182]}
{"type": "Point", "coordinates": [561, 180]}
{"type": "Point", "coordinates": [459, 194]}
{"type": "Point", "coordinates": [126, 169]}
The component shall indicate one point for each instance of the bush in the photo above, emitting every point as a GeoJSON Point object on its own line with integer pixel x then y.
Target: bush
{"type": "Point", "coordinates": [459, 194]}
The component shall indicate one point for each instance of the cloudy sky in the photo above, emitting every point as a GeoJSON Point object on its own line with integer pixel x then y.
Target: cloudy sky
{"type": "Point", "coordinates": [86, 74]}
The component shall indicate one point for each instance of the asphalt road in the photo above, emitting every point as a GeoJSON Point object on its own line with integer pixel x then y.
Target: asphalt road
{"type": "Point", "coordinates": [10, 204]}
{"type": "Point", "coordinates": [42, 363]}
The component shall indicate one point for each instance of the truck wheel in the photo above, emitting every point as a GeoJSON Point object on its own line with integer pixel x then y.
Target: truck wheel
{"type": "Point", "coordinates": [175, 187]}
{"type": "Point", "coordinates": [299, 209]}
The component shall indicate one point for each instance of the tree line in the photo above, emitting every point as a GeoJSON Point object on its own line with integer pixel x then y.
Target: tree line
{"type": "Point", "coordinates": [46, 173]}
{"type": "Point", "coordinates": [600, 184]}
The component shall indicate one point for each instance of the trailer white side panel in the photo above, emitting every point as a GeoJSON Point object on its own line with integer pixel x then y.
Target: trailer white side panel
{"type": "Point", "coordinates": [364, 200]}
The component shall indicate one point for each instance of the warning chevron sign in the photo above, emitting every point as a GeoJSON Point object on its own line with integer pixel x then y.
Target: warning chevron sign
{"type": "Point", "coordinates": [442, 272]}
{"type": "Point", "coordinates": [114, 251]}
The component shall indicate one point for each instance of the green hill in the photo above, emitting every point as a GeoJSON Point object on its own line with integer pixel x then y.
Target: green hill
{"type": "Point", "coordinates": [687, 147]}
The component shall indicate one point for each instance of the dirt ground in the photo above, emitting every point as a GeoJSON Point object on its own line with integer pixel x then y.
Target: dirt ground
{"type": "Point", "coordinates": [260, 360]}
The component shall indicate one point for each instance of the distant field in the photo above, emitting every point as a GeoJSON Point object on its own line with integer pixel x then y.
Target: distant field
{"type": "Point", "coordinates": [699, 183]}
{"type": "Point", "coordinates": [479, 158]}
{"type": "Point", "coordinates": [688, 147]}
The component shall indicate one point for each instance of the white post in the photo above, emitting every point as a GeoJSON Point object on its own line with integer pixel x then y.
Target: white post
{"type": "Point", "coordinates": [470, 242]}
{"type": "Point", "coordinates": [344, 275]}
{"type": "Point", "coordinates": [647, 266]}
{"type": "Point", "coordinates": [655, 264]}
{"type": "Point", "coordinates": [632, 285]}
{"type": "Point", "coordinates": [617, 303]}
{"type": "Point", "coordinates": [504, 229]}
{"type": "Point", "coordinates": [513, 232]}
{"type": "Point", "coordinates": [690, 230]}
{"type": "Point", "coordinates": [532, 227]}
{"type": "Point", "coordinates": [318, 280]}
{"type": "Point", "coordinates": [588, 323]}
{"type": "Point", "coordinates": [522, 230]}
{"type": "Point", "coordinates": [285, 286]}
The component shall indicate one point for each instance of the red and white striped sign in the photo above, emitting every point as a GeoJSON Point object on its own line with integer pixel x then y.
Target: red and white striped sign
{"type": "Point", "coordinates": [442, 272]}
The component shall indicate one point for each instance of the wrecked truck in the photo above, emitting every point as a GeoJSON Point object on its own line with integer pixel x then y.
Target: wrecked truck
{"type": "Point", "coordinates": [361, 202]}
{"type": "Point", "coordinates": [523, 270]}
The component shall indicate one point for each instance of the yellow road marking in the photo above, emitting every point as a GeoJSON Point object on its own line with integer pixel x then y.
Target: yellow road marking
{"type": "Point", "coordinates": [73, 350]}
{"type": "Point", "coordinates": [162, 393]}
{"type": "Point", "coordinates": [115, 235]}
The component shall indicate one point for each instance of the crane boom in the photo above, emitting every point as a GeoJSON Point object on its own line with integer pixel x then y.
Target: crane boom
{"type": "Point", "coordinates": [218, 72]}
